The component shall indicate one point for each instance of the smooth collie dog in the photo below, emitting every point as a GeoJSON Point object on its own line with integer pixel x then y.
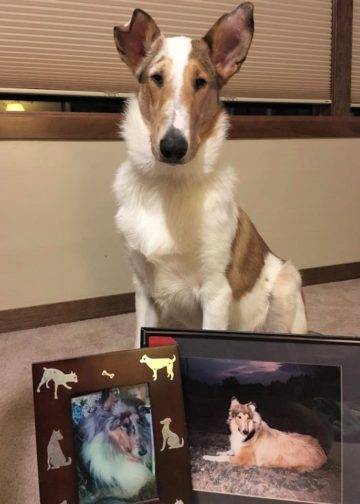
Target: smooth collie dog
{"type": "Point", "coordinates": [198, 260]}
{"type": "Point", "coordinates": [254, 443]}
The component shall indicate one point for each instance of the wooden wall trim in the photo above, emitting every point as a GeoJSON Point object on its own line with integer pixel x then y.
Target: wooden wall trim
{"type": "Point", "coordinates": [341, 52]}
{"type": "Point", "coordinates": [59, 126]}
{"type": "Point", "coordinates": [104, 126]}
{"type": "Point", "coordinates": [333, 273]}
{"type": "Point", "coordinates": [294, 127]}
{"type": "Point", "coordinates": [71, 311]}
{"type": "Point", "coordinates": [68, 311]}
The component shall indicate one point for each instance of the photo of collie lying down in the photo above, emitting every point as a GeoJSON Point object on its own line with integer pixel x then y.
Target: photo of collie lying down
{"type": "Point", "coordinates": [264, 429]}
{"type": "Point", "coordinates": [114, 446]}
{"type": "Point", "coordinates": [254, 443]}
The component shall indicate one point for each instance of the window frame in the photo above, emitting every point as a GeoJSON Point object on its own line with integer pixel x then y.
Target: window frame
{"type": "Point", "coordinates": [336, 121]}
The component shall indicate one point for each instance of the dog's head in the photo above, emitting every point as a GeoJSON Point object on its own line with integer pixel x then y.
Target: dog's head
{"type": "Point", "coordinates": [123, 426]}
{"type": "Point", "coordinates": [144, 359]}
{"type": "Point", "coordinates": [72, 377]}
{"type": "Point", "coordinates": [127, 428]}
{"type": "Point", "coordinates": [166, 421]}
{"type": "Point", "coordinates": [180, 79]}
{"type": "Point", "coordinates": [57, 435]}
{"type": "Point", "coordinates": [243, 419]}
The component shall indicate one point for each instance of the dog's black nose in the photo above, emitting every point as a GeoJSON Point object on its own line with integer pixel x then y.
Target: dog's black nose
{"type": "Point", "coordinates": [173, 146]}
{"type": "Point", "coordinates": [245, 432]}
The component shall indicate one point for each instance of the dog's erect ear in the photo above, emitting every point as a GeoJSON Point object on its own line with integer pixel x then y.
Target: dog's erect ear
{"type": "Point", "coordinates": [134, 40]}
{"type": "Point", "coordinates": [234, 409]}
{"type": "Point", "coordinates": [234, 405]}
{"type": "Point", "coordinates": [251, 407]}
{"type": "Point", "coordinates": [229, 40]}
{"type": "Point", "coordinates": [110, 401]}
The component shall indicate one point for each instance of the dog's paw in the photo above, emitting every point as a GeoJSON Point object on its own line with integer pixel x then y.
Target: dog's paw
{"type": "Point", "coordinates": [208, 457]}
{"type": "Point", "coordinates": [216, 458]}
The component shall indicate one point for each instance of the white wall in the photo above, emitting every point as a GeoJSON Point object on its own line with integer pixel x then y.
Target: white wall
{"type": "Point", "coordinates": [57, 236]}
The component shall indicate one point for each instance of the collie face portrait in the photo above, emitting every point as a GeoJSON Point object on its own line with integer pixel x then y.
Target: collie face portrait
{"type": "Point", "coordinates": [197, 259]}
{"type": "Point", "coordinates": [260, 428]}
{"type": "Point", "coordinates": [114, 445]}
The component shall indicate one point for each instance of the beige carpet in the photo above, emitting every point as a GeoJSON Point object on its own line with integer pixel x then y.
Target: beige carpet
{"type": "Point", "coordinates": [332, 309]}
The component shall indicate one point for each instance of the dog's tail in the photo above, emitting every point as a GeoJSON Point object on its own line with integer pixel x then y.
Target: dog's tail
{"type": "Point", "coordinates": [173, 359]}
{"type": "Point", "coordinates": [68, 462]}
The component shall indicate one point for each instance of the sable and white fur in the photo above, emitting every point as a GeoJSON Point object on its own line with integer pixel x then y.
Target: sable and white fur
{"type": "Point", "coordinates": [254, 443]}
{"type": "Point", "coordinates": [197, 259]}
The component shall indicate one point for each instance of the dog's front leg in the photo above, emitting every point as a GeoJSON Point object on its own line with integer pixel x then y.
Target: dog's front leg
{"type": "Point", "coordinates": [216, 458]}
{"type": "Point", "coordinates": [146, 313]}
{"type": "Point", "coordinates": [216, 297]}
{"type": "Point", "coordinates": [164, 443]}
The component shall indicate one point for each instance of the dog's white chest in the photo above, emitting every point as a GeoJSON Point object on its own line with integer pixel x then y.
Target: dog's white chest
{"type": "Point", "coordinates": [178, 236]}
{"type": "Point", "coordinates": [145, 230]}
{"type": "Point", "coordinates": [164, 248]}
{"type": "Point", "coordinates": [236, 442]}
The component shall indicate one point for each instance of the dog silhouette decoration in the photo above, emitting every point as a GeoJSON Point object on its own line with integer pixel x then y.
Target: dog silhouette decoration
{"type": "Point", "coordinates": [156, 364]}
{"type": "Point", "coordinates": [55, 457]}
{"type": "Point", "coordinates": [58, 377]}
{"type": "Point", "coordinates": [170, 439]}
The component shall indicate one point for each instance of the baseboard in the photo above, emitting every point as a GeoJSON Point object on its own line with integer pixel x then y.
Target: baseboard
{"type": "Point", "coordinates": [72, 311]}
{"type": "Point", "coordinates": [333, 273]}
{"type": "Point", "coordinates": [18, 319]}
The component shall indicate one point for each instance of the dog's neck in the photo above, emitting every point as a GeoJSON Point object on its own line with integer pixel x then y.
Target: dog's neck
{"type": "Point", "coordinates": [137, 137]}
{"type": "Point", "coordinates": [253, 435]}
{"type": "Point", "coordinates": [237, 443]}
{"type": "Point", "coordinates": [249, 436]}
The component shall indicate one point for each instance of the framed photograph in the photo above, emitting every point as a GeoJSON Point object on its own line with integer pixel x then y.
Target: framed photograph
{"type": "Point", "coordinates": [110, 429]}
{"type": "Point", "coordinates": [273, 417]}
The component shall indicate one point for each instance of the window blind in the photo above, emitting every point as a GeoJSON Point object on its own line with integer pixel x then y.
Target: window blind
{"type": "Point", "coordinates": [355, 69]}
{"type": "Point", "coordinates": [68, 45]}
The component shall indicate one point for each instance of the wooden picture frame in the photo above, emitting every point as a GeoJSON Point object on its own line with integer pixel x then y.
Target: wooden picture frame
{"type": "Point", "coordinates": [333, 403]}
{"type": "Point", "coordinates": [131, 400]}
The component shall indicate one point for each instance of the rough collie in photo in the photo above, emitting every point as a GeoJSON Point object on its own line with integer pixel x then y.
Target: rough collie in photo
{"type": "Point", "coordinates": [114, 447]}
{"type": "Point", "coordinates": [198, 260]}
{"type": "Point", "coordinates": [254, 443]}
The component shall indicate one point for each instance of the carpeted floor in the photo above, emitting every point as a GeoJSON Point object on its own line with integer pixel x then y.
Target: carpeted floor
{"type": "Point", "coordinates": [332, 309]}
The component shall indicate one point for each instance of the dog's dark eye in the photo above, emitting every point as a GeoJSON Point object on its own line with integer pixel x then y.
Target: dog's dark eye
{"type": "Point", "coordinates": [199, 83]}
{"type": "Point", "coordinates": [158, 79]}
